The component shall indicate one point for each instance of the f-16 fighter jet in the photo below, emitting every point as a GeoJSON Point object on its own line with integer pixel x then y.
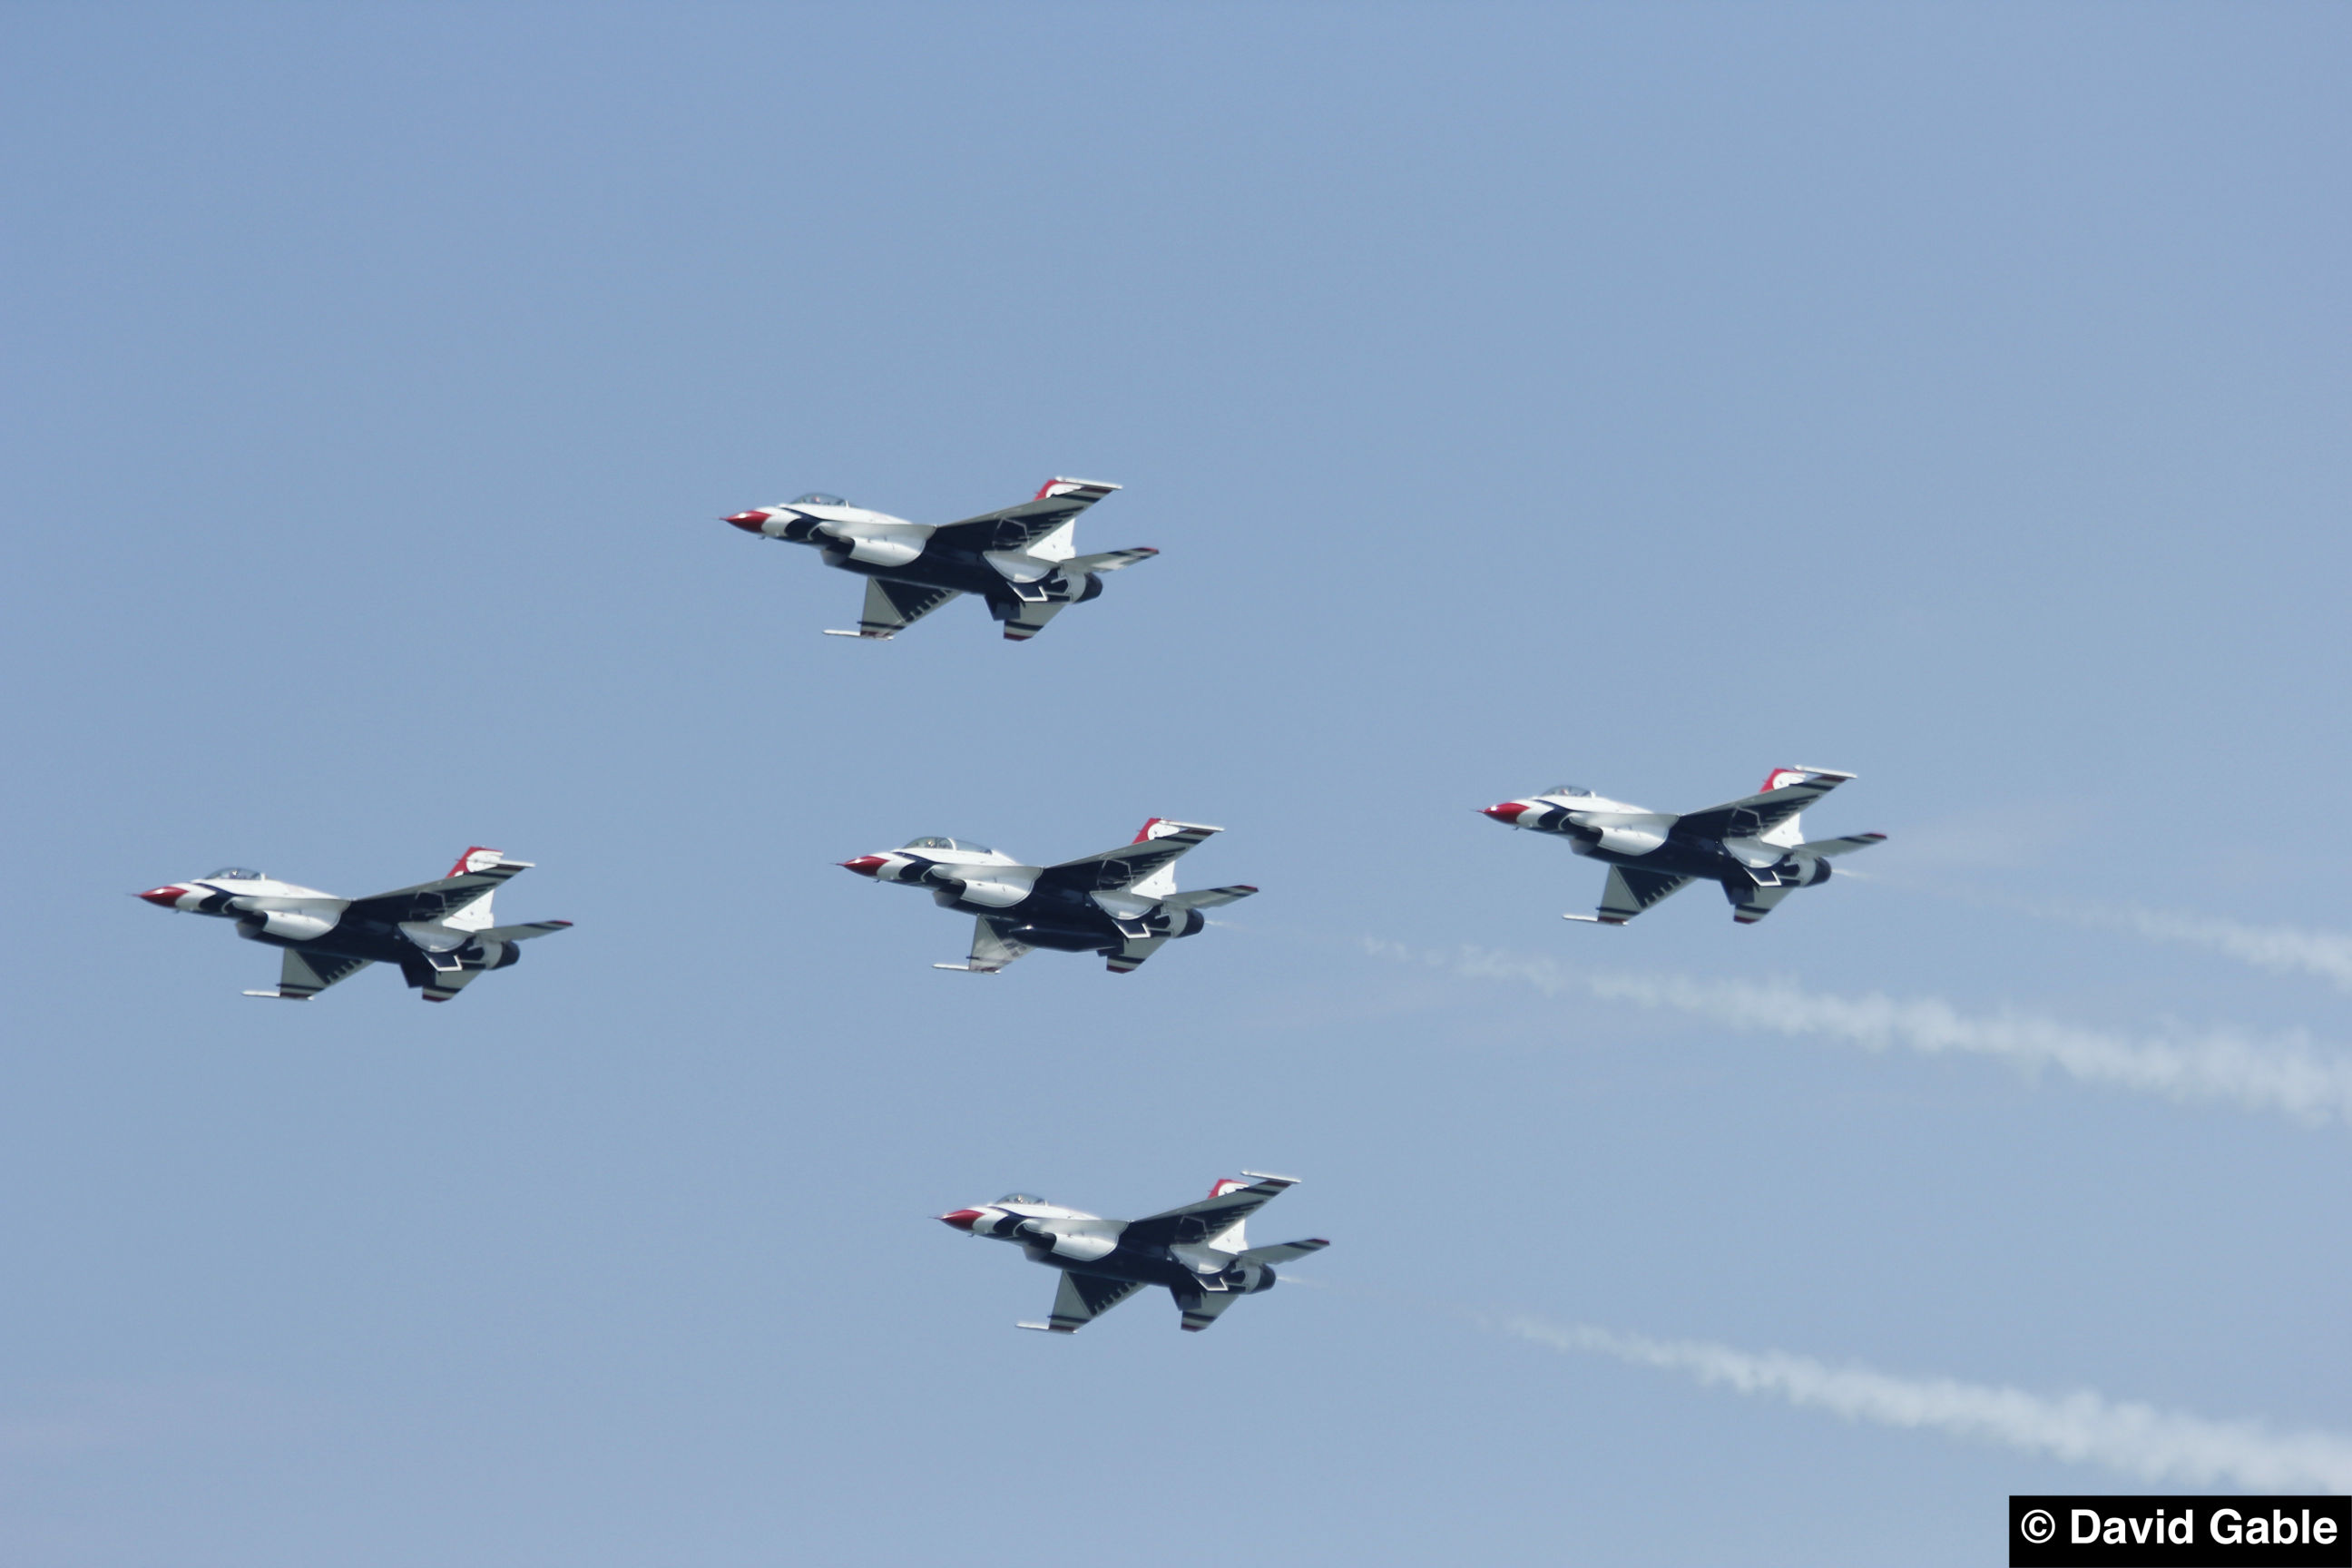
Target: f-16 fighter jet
{"type": "Point", "coordinates": [1752, 846]}
{"type": "Point", "coordinates": [1197, 1251]}
{"type": "Point", "coordinates": [440, 933]}
{"type": "Point", "coordinates": [1121, 904]}
{"type": "Point", "coordinates": [1020, 558]}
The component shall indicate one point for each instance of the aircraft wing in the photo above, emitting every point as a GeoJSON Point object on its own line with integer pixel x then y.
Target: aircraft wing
{"type": "Point", "coordinates": [1129, 863]}
{"type": "Point", "coordinates": [301, 975]}
{"type": "Point", "coordinates": [1630, 891]}
{"type": "Point", "coordinates": [1082, 1299]}
{"type": "Point", "coordinates": [1057, 502]}
{"type": "Point", "coordinates": [435, 900]}
{"type": "Point", "coordinates": [1209, 1216]}
{"type": "Point", "coordinates": [1751, 816]}
{"type": "Point", "coordinates": [892, 607]}
{"type": "Point", "coordinates": [992, 950]}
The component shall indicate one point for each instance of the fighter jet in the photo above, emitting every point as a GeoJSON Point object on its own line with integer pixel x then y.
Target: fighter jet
{"type": "Point", "coordinates": [1752, 846]}
{"type": "Point", "coordinates": [438, 932]}
{"type": "Point", "coordinates": [1019, 559]}
{"type": "Point", "coordinates": [1121, 904]}
{"type": "Point", "coordinates": [1197, 1251]}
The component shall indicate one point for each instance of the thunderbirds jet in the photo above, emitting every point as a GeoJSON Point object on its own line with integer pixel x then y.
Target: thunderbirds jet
{"type": "Point", "coordinates": [1020, 558]}
{"type": "Point", "coordinates": [1752, 846]}
{"type": "Point", "coordinates": [1197, 1251]}
{"type": "Point", "coordinates": [1121, 904]}
{"type": "Point", "coordinates": [438, 932]}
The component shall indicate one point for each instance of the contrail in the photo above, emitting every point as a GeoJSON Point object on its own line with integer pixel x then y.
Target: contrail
{"type": "Point", "coordinates": [2283, 1073]}
{"type": "Point", "coordinates": [2081, 1427]}
{"type": "Point", "coordinates": [2282, 950]}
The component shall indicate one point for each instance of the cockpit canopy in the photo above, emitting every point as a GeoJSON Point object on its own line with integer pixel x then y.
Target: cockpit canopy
{"type": "Point", "coordinates": [1568, 789]}
{"type": "Point", "coordinates": [1021, 1198]}
{"type": "Point", "coordinates": [816, 497]}
{"type": "Point", "coordinates": [963, 843]}
{"type": "Point", "coordinates": [233, 873]}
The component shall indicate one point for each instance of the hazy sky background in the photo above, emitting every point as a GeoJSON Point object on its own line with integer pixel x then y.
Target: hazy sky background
{"type": "Point", "coordinates": [1641, 396]}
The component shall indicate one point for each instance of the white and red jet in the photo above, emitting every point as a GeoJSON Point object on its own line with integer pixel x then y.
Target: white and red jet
{"type": "Point", "coordinates": [1019, 559]}
{"type": "Point", "coordinates": [440, 933]}
{"type": "Point", "coordinates": [1752, 846]}
{"type": "Point", "coordinates": [1197, 1251]}
{"type": "Point", "coordinates": [1121, 904]}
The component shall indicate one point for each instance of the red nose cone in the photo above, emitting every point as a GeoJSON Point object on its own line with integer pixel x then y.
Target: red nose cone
{"type": "Point", "coordinates": [748, 521]}
{"type": "Point", "coordinates": [962, 1219]}
{"type": "Point", "coordinates": [164, 898]}
{"type": "Point", "coordinates": [1506, 812]}
{"type": "Point", "coordinates": [865, 865]}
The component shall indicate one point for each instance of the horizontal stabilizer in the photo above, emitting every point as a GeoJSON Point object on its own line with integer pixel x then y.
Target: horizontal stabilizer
{"type": "Point", "coordinates": [1750, 905]}
{"type": "Point", "coordinates": [1110, 560]}
{"type": "Point", "coordinates": [524, 932]}
{"type": "Point", "coordinates": [1283, 1251]}
{"type": "Point", "coordinates": [1024, 621]}
{"type": "Point", "coordinates": [1209, 898]}
{"type": "Point", "coordinates": [1846, 845]}
{"type": "Point", "coordinates": [1132, 951]}
{"type": "Point", "coordinates": [1205, 1309]}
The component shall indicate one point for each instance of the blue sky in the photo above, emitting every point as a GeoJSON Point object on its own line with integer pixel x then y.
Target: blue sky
{"type": "Point", "coordinates": [1645, 396]}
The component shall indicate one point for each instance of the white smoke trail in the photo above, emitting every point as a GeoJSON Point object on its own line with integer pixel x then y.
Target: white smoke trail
{"type": "Point", "coordinates": [2282, 950]}
{"type": "Point", "coordinates": [2283, 1073]}
{"type": "Point", "coordinates": [2081, 1427]}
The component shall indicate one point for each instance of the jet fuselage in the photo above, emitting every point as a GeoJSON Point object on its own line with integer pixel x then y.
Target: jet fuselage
{"type": "Point", "coordinates": [1079, 1243]}
{"type": "Point", "coordinates": [907, 553]}
{"type": "Point", "coordinates": [280, 914]}
{"type": "Point", "coordinates": [1039, 912]}
{"type": "Point", "coordinates": [438, 934]}
{"type": "Point", "coordinates": [1673, 849]}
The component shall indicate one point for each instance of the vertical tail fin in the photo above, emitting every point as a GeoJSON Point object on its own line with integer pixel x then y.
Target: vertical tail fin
{"type": "Point", "coordinates": [1788, 835]}
{"type": "Point", "coordinates": [1230, 1238]}
{"type": "Point", "coordinates": [475, 916]}
{"type": "Point", "coordinates": [1160, 883]}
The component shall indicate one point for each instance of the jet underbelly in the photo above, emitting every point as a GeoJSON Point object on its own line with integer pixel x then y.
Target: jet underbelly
{"type": "Point", "coordinates": [1062, 938]}
{"type": "Point", "coordinates": [375, 947]}
{"type": "Point", "coordinates": [1675, 857]}
{"type": "Point", "coordinates": [928, 571]}
{"type": "Point", "coordinates": [1136, 1265]}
